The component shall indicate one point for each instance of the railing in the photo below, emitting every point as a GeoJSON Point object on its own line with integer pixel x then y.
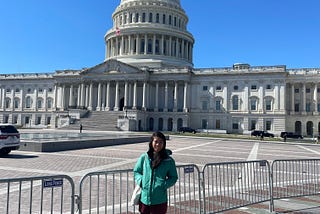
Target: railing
{"type": "Point", "coordinates": [217, 188]}
{"type": "Point", "coordinates": [45, 194]}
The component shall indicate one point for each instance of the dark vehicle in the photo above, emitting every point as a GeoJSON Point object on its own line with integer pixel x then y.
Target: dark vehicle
{"type": "Point", "coordinates": [291, 135]}
{"type": "Point", "coordinates": [258, 133]}
{"type": "Point", "coordinates": [187, 129]}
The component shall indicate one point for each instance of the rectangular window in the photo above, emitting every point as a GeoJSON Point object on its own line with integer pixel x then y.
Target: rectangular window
{"type": "Point", "coordinates": [38, 121]}
{"type": "Point", "coordinates": [48, 120]}
{"type": "Point", "coordinates": [268, 86]}
{"type": "Point", "coordinates": [308, 90]}
{"type": "Point", "coordinates": [268, 125]}
{"type": "Point", "coordinates": [218, 88]}
{"type": "Point", "coordinates": [253, 105]}
{"type": "Point", "coordinates": [253, 87]}
{"type": "Point", "coordinates": [218, 124]}
{"type": "Point", "coordinates": [218, 105]}
{"type": "Point", "coordinates": [204, 88]}
{"type": "Point", "coordinates": [235, 126]}
{"type": "Point", "coordinates": [268, 105]}
{"type": "Point", "coordinates": [253, 124]}
{"type": "Point", "coordinates": [318, 107]}
{"type": "Point", "coordinates": [308, 107]}
{"type": "Point", "coordinates": [296, 90]}
{"type": "Point", "coordinates": [204, 105]}
{"type": "Point", "coordinates": [204, 124]}
{"type": "Point", "coordinates": [296, 107]}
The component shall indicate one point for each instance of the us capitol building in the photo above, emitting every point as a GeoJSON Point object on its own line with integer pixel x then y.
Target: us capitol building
{"type": "Point", "coordinates": [147, 82]}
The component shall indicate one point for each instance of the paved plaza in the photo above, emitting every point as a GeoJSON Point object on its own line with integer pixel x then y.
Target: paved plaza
{"type": "Point", "coordinates": [186, 150]}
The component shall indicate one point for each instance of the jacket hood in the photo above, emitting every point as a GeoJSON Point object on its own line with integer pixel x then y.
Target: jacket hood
{"type": "Point", "coordinates": [169, 152]}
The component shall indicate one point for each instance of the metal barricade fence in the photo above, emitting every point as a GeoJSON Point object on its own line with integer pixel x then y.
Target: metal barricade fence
{"type": "Point", "coordinates": [295, 178]}
{"type": "Point", "coordinates": [219, 187]}
{"type": "Point", "coordinates": [110, 192]}
{"type": "Point", "coordinates": [43, 194]}
{"type": "Point", "coordinates": [235, 184]}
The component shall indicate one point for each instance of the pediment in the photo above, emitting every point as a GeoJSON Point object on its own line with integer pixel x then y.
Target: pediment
{"type": "Point", "coordinates": [111, 67]}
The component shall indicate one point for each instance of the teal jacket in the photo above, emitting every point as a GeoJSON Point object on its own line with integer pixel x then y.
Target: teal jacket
{"type": "Point", "coordinates": [154, 183]}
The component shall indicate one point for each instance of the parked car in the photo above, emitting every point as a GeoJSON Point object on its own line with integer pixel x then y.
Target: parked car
{"type": "Point", "coordinates": [187, 129]}
{"type": "Point", "coordinates": [9, 139]}
{"type": "Point", "coordinates": [258, 133]}
{"type": "Point", "coordinates": [291, 135]}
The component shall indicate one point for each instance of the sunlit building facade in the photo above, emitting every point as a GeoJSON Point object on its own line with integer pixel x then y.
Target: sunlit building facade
{"type": "Point", "coordinates": [147, 82]}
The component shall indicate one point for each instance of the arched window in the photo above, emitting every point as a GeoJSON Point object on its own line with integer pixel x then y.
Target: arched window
{"type": "Point", "coordinates": [143, 17]}
{"type": "Point", "coordinates": [164, 19]}
{"type": "Point", "coordinates": [137, 17]}
{"type": "Point", "coordinates": [157, 18]}
{"type": "Point", "coordinates": [150, 17]}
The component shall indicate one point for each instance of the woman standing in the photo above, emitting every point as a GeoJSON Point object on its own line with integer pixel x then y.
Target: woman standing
{"type": "Point", "coordinates": [155, 172]}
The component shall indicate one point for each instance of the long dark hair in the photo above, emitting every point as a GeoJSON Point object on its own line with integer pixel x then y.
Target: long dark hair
{"type": "Point", "coordinates": [156, 159]}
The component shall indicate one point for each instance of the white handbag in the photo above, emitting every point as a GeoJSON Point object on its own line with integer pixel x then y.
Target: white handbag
{"type": "Point", "coordinates": [136, 196]}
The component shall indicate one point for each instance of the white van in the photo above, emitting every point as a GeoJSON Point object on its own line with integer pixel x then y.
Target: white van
{"type": "Point", "coordinates": [9, 139]}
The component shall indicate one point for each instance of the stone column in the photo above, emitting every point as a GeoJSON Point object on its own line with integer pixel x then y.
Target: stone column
{"type": "Point", "coordinates": [261, 95]}
{"type": "Point", "coordinates": [292, 97]}
{"type": "Point", "coordinates": [71, 96]}
{"type": "Point", "coordinates": [12, 99]}
{"type": "Point", "coordinates": [134, 106]}
{"type": "Point", "coordinates": [282, 98]}
{"type": "Point", "coordinates": [137, 44]}
{"type": "Point", "coordinates": [157, 98]}
{"type": "Point", "coordinates": [82, 94]}
{"type": "Point", "coordinates": [246, 98]}
{"type": "Point", "coordinates": [108, 97]}
{"type": "Point", "coordinates": [276, 98]}
{"type": "Point", "coordinates": [315, 97]}
{"type": "Point", "coordinates": [103, 95]}
{"type": "Point", "coordinates": [55, 97]}
{"type": "Point", "coordinates": [85, 95]}
{"type": "Point", "coordinates": [165, 97]}
{"type": "Point", "coordinates": [162, 45]}
{"type": "Point", "coordinates": [36, 99]}
{"type": "Point", "coordinates": [175, 98]}
{"type": "Point", "coordinates": [145, 43]}
{"type": "Point", "coordinates": [45, 91]}
{"type": "Point", "coordinates": [303, 98]}
{"type": "Point", "coordinates": [185, 97]}
{"type": "Point", "coordinates": [116, 102]}
{"type": "Point", "coordinates": [144, 96]}
{"type": "Point", "coordinates": [129, 45]}
{"type": "Point", "coordinates": [122, 46]}
{"type": "Point", "coordinates": [79, 96]}
{"type": "Point", "coordinates": [22, 99]}
{"type": "Point", "coordinates": [126, 94]}
{"type": "Point", "coordinates": [89, 96]}
{"type": "Point", "coordinates": [154, 45]}
{"type": "Point", "coordinates": [99, 97]}
{"type": "Point", "coordinates": [170, 46]}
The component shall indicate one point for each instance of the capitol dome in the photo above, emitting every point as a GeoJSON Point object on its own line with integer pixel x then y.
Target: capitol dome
{"type": "Point", "coordinates": [150, 33]}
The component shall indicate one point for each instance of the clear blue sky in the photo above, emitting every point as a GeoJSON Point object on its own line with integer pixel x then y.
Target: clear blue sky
{"type": "Point", "coordinates": [47, 35]}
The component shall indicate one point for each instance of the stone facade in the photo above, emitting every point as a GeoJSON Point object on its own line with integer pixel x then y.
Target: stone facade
{"type": "Point", "coordinates": [149, 81]}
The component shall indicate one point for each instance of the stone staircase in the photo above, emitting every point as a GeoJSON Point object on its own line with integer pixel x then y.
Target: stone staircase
{"type": "Point", "coordinates": [98, 121]}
